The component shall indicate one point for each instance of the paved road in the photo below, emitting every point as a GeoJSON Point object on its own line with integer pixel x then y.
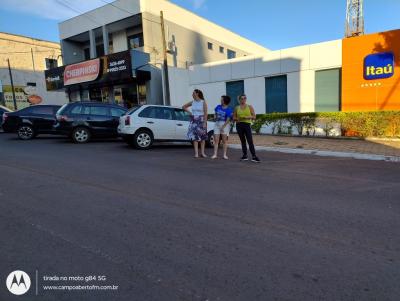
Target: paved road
{"type": "Point", "coordinates": [164, 226]}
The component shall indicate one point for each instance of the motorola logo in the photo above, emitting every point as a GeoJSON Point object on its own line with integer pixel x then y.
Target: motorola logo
{"type": "Point", "coordinates": [18, 282]}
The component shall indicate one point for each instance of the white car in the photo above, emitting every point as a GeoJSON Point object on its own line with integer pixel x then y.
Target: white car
{"type": "Point", "coordinates": [143, 125]}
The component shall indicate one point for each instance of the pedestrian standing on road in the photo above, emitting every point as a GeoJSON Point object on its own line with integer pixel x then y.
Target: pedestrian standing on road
{"type": "Point", "coordinates": [197, 132]}
{"type": "Point", "coordinates": [244, 115]}
{"type": "Point", "coordinates": [223, 118]}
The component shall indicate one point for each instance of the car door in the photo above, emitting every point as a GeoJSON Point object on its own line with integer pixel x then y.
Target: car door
{"type": "Point", "coordinates": [160, 120]}
{"type": "Point", "coordinates": [182, 120]}
{"type": "Point", "coordinates": [43, 118]}
{"type": "Point", "coordinates": [98, 118]}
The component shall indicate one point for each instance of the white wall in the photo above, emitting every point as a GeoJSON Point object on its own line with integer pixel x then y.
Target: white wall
{"type": "Point", "coordinates": [298, 63]}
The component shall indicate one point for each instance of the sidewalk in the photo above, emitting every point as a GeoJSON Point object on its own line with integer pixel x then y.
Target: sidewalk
{"type": "Point", "coordinates": [373, 149]}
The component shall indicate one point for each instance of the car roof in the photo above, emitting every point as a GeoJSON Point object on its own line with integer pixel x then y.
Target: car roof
{"type": "Point", "coordinates": [162, 106]}
{"type": "Point", "coordinates": [96, 104]}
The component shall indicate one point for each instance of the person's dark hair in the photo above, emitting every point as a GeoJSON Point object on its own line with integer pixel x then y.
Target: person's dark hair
{"type": "Point", "coordinates": [199, 94]}
{"type": "Point", "coordinates": [242, 95]}
{"type": "Point", "coordinates": [226, 99]}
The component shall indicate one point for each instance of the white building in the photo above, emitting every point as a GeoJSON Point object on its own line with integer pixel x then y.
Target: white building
{"type": "Point", "coordinates": [299, 79]}
{"type": "Point", "coordinates": [124, 25]}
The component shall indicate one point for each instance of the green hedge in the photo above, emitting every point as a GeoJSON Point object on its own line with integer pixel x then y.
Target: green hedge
{"type": "Point", "coordinates": [360, 124]}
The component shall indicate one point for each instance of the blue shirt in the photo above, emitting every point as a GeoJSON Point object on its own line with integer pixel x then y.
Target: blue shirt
{"type": "Point", "coordinates": [223, 114]}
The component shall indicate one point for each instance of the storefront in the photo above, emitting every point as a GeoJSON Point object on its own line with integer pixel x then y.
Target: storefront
{"type": "Point", "coordinates": [116, 78]}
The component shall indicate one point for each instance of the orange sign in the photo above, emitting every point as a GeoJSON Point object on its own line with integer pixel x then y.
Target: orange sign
{"type": "Point", "coordinates": [82, 72]}
{"type": "Point", "coordinates": [371, 72]}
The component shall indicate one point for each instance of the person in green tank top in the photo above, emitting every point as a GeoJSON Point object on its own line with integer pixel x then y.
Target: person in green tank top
{"type": "Point", "coordinates": [244, 115]}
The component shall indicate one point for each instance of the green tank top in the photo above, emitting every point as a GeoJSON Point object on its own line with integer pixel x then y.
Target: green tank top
{"type": "Point", "coordinates": [243, 114]}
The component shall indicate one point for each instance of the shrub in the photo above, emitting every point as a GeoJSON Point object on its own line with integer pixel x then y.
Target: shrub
{"type": "Point", "coordinates": [360, 124]}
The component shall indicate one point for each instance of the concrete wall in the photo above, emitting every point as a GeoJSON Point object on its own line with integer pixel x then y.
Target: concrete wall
{"type": "Point", "coordinates": [27, 68]}
{"type": "Point", "coordinates": [299, 64]}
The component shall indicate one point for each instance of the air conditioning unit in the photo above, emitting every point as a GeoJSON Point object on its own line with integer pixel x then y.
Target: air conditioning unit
{"type": "Point", "coordinates": [171, 47]}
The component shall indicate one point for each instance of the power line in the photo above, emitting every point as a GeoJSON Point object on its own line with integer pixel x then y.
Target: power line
{"type": "Point", "coordinates": [70, 7]}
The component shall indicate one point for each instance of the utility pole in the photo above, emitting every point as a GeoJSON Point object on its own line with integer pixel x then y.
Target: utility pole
{"type": "Point", "coordinates": [12, 85]}
{"type": "Point", "coordinates": [33, 61]}
{"type": "Point", "coordinates": [165, 65]}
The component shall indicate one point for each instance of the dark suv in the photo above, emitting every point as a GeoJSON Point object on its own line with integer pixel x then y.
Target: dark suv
{"type": "Point", "coordinates": [83, 120]}
{"type": "Point", "coordinates": [31, 121]}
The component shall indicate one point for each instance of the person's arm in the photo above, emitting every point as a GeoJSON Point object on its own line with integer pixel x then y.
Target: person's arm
{"type": "Point", "coordinates": [186, 107]}
{"type": "Point", "coordinates": [235, 118]}
{"type": "Point", "coordinates": [253, 113]}
{"type": "Point", "coordinates": [228, 121]}
{"type": "Point", "coordinates": [205, 107]}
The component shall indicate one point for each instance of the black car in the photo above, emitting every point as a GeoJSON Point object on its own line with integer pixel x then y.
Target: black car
{"type": "Point", "coordinates": [31, 121]}
{"type": "Point", "coordinates": [83, 120]}
{"type": "Point", "coordinates": [2, 111]}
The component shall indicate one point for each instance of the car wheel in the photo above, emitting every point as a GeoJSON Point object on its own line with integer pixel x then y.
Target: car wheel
{"type": "Point", "coordinates": [81, 135]}
{"type": "Point", "coordinates": [210, 140]}
{"type": "Point", "coordinates": [143, 139]}
{"type": "Point", "coordinates": [25, 132]}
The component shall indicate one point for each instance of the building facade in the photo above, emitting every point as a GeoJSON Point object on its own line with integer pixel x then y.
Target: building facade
{"type": "Point", "coordinates": [354, 74]}
{"type": "Point", "coordinates": [126, 25]}
{"type": "Point", "coordinates": [28, 59]}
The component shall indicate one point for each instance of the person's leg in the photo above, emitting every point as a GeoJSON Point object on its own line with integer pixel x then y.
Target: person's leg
{"type": "Point", "coordinates": [196, 148]}
{"type": "Point", "coordinates": [249, 137]}
{"type": "Point", "coordinates": [216, 144]}
{"type": "Point", "coordinates": [203, 149]}
{"type": "Point", "coordinates": [225, 146]}
{"type": "Point", "coordinates": [242, 136]}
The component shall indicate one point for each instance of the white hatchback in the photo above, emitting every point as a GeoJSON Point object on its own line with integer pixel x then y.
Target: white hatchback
{"type": "Point", "coordinates": [142, 126]}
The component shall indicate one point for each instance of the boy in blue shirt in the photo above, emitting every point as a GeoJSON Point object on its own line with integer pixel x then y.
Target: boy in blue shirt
{"type": "Point", "coordinates": [223, 118]}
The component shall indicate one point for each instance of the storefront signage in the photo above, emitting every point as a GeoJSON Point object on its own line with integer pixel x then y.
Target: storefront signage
{"type": "Point", "coordinates": [116, 67]}
{"type": "Point", "coordinates": [82, 72]}
{"type": "Point", "coordinates": [379, 66]}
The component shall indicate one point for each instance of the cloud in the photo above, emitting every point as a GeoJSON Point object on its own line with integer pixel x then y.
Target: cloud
{"type": "Point", "coordinates": [197, 4]}
{"type": "Point", "coordinates": [50, 9]}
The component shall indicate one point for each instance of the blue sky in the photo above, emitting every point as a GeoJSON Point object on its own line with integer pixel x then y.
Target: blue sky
{"type": "Point", "coordinates": [274, 24]}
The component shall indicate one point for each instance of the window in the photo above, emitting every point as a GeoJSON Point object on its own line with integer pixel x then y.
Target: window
{"type": "Point", "coordinates": [157, 113]}
{"type": "Point", "coordinates": [96, 110]}
{"type": "Point", "coordinates": [76, 110]}
{"type": "Point", "coordinates": [276, 94]}
{"type": "Point", "coordinates": [233, 90]}
{"type": "Point", "coordinates": [100, 50]}
{"type": "Point", "coordinates": [231, 54]}
{"type": "Point", "coordinates": [117, 112]}
{"type": "Point", "coordinates": [87, 54]}
{"type": "Point", "coordinates": [210, 46]}
{"type": "Point", "coordinates": [327, 90]}
{"type": "Point", "coordinates": [182, 115]}
{"type": "Point", "coordinates": [51, 63]}
{"type": "Point", "coordinates": [43, 110]}
{"type": "Point", "coordinates": [135, 41]}
{"type": "Point", "coordinates": [221, 49]}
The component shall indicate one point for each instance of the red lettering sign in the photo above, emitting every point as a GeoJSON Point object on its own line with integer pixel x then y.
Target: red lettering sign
{"type": "Point", "coordinates": [83, 72]}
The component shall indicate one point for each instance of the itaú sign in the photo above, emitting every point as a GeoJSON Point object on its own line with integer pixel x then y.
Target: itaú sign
{"type": "Point", "coordinates": [82, 72]}
{"type": "Point", "coordinates": [379, 65]}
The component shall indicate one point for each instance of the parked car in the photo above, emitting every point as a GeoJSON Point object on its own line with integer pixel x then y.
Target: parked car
{"type": "Point", "coordinates": [143, 125]}
{"type": "Point", "coordinates": [2, 111]}
{"type": "Point", "coordinates": [31, 121]}
{"type": "Point", "coordinates": [83, 120]}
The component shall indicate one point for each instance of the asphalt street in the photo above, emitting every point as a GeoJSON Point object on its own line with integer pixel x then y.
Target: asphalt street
{"type": "Point", "coordinates": [162, 225]}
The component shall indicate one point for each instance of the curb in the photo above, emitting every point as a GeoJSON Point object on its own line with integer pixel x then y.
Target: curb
{"type": "Point", "coordinates": [358, 156]}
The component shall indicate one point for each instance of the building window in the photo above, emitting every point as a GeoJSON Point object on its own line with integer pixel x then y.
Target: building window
{"type": "Point", "coordinates": [87, 54]}
{"type": "Point", "coordinates": [100, 50]}
{"type": "Point", "coordinates": [231, 54]}
{"type": "Point", "coordinates": [210, 46]}
{"type": "Point", "coordinates": [327, 90]}
{"type": "Point", "coordinates": [221, 49]}
{"type": "Point", "coordinates": [51, 63]}
{"type": "Point", "coordinates": [135, 41]}
{"type": "Point", "coordinates": [276, 94]}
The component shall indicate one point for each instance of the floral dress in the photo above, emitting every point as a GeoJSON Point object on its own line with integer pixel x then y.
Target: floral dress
{"type": "Point", "coordinates": [197, 131]}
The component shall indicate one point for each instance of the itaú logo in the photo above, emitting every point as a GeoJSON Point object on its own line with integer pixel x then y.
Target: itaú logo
{"type": "Point", "coordinates": [379, 65]}
{"type": "Point", "coordinates": [18, 282]}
